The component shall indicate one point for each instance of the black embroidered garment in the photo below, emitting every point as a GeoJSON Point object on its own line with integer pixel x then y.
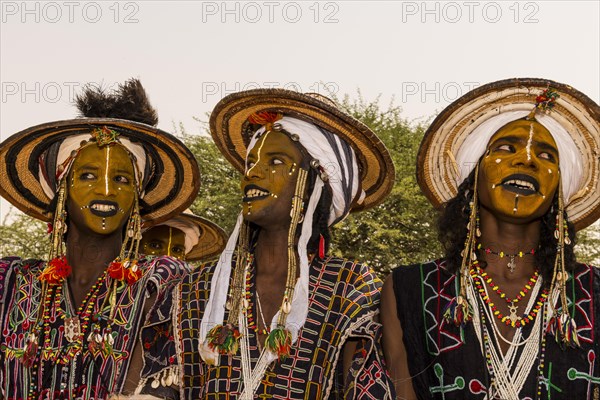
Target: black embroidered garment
{"type": "Point", "coordinates": [344, 298]}
{"type": "Point", "coordinates": [64, 367]}
{"type": "Point", "coordinates": [449, 364]}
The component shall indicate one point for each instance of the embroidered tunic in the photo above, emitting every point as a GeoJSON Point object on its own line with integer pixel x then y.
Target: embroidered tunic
{"type": "Point", "coordinates": [344, 298]}
{"type": "Point", "coordinates": [445, 367]}
{"type": "Point", "coordinates": [70, 370]}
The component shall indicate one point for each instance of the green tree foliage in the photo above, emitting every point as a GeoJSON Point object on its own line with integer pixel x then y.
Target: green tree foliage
{"type": "Point", "coordinates": [23, 236]}
{"type": "Point", "coordinates": [402, 229]}
{"type": "Point", "coordinates": [587, 248]}
{"type": "Point", "coordinates": [220, 194]}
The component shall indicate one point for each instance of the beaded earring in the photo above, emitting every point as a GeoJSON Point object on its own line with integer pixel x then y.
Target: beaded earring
{"type": "Point", "coordinates": [125, 266]}
{"type": "Point", "coordinates": [57, 268]}
{"type": "Point", "coordinates": [562, 324]}
{"type": "Point", "coordinates": [225, 338]}
{"type": "Point", "coordinates": [459, 311]}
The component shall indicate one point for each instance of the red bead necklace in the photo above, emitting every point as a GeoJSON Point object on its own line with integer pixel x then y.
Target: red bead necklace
{"type": "Point", "coordinates": [479, 276]}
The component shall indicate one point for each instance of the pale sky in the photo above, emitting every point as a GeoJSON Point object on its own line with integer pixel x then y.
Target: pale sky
{"type": "Point", "coordinates": [190, 54]}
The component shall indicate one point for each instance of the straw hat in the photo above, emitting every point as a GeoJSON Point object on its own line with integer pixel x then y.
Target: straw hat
{"type": "Point", "coordinates": [437, 171]}
{"type": "Point", "coordinates": [171, 182]}
{"type": "Point", "coordinates": [232, 132]}
{"type": "Point", "coordinates": [211, 238]}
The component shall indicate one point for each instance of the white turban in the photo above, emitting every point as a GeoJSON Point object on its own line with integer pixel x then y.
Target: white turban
{"type": "Point", "coordinates": [339, 160]}
{"type": "Point", "coordinates": [476, 143]}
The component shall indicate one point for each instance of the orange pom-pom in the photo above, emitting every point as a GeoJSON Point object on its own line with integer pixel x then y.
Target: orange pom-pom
{"type": "Point", "coordinates": [264, 117]}
{"type": "Point", "coordinates": [56, 270]}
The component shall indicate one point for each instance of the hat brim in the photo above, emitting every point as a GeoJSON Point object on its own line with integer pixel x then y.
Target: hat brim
{"type": "Point", "coordinates": [171, 189]}
{"type": "Point", "coordinates": [212, 238]}
{"type": "Point", "coordinates": [229, 127]}
{"type": "Point", "coordinates": [436, 169]}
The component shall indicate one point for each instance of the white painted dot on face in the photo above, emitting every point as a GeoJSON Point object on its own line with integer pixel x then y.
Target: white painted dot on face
{"type": "Point", "coordinates": [493, 186]}
{"type": "Point", "coordinates": [549, 171]}
{"type": "Point", "coordinates": [498, 161]}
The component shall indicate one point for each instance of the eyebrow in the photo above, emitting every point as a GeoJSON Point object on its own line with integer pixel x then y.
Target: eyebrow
{"type": "Point", "coordinates": [277, 153]}
{"type": "Point", "coordinates": [514, 139]}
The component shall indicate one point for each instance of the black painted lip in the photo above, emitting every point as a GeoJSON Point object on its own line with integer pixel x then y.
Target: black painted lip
{"type": "Point", "coordinates": [251, 187]}
{"type": "Point", "coordinates": [104, 213]}
{"type": "Point", "coordinates": [521, 177]}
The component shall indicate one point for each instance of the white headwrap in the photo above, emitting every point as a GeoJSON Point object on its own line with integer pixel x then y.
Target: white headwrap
{"type": "Point", "coordinates": [476, 143]}
{"type": "Point", "coordinates": [73, 143]}
{"type": "Point", "coordinates": [191, 231]}
{"type": "Point", "coordinates": [339, 160]}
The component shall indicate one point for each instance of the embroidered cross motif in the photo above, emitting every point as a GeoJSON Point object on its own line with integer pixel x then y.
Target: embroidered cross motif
{"type": "Point", "coordinates": [459, 382]}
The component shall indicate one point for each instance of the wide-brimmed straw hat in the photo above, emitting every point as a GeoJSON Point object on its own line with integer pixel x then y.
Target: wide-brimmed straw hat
{"type": "Point", "coordinates": [437, 171]}
{"type": "Point", "coordinates": [232, 132]}
{"type": "Point", "coordinates": [211, 238]}
{"type": "Point", "coordinates": [171, 188]}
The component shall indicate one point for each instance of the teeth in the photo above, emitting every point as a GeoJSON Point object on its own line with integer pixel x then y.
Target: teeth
{"type": "Point", "coordinates": [255, 193]}
{"type": "Point", "coordinates": [102, 207]}
{"type": "Point", "coordinates": [520, 183]}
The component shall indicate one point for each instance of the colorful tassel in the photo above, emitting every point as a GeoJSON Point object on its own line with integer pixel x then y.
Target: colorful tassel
{"type": "Point", "coordinates": [29, 352]}
{"type": "Point", "coordinates": [564, 329]}
{"type": "Point", "coordinates": [458, 312]}
{"type": "Point", "coordinates": [56, 271]}
{"type": "Point", "coordinates": [279, 342]}
{"type": "Point", "coordinates": [224, 339]}
{"type": "Point", "coordinates": [124, 271]}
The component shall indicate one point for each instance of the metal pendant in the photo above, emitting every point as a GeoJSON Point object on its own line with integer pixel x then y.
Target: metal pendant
{"type": "Point", "coordinates": [511, 264]}
{"type": "Point", "coordinates": [513, 312]}
{"type": "Point", "coordinates": [72, 329]}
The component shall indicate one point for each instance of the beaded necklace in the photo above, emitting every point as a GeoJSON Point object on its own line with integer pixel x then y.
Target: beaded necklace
{"type": "Point", "coordinates": [513, 319]}
{"type": "Point", "coordinates": [251, 310]}
{"type": "Point", "coordinates": [508, 371]}
{"type": "Point", "coordinates": [511, 263]}
{"type": "Point", "coordinates": [74, 326]}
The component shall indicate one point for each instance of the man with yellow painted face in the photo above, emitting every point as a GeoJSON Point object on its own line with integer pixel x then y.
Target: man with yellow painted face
{"type": "Point", "coordinates": [70, 324]}
{"type": "Point", "coordinates": [508, 313]}
{"type": "Point", "coordinates": [186, 236]}
{"type": "Point", "coordinates": [276, 317]}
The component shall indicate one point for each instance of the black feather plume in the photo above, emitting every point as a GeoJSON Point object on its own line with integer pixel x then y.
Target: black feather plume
{"type": "Point", "coordinates": [129, 101]}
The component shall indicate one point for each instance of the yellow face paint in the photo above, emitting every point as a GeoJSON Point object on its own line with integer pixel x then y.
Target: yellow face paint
{"type": "Point", "coordinates": [518, 182]}
{"type": "Point", "coordinates": [270, 180]}
{"type": "Point", "coordinates": [170, 240]}
{"type": "Point", "coordinates": [163, 240]}
{"type": "Point", "coordinates": [102, 189]}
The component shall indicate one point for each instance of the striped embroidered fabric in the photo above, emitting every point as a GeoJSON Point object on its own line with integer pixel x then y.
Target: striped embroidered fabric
{"type": "Point", "coordinates": [69, 369]}
{"type": "Point", "coordinates": [344, 297]}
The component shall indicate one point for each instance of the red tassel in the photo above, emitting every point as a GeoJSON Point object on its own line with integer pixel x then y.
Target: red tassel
{"type": "Point", "coordinates": [321, 247]}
